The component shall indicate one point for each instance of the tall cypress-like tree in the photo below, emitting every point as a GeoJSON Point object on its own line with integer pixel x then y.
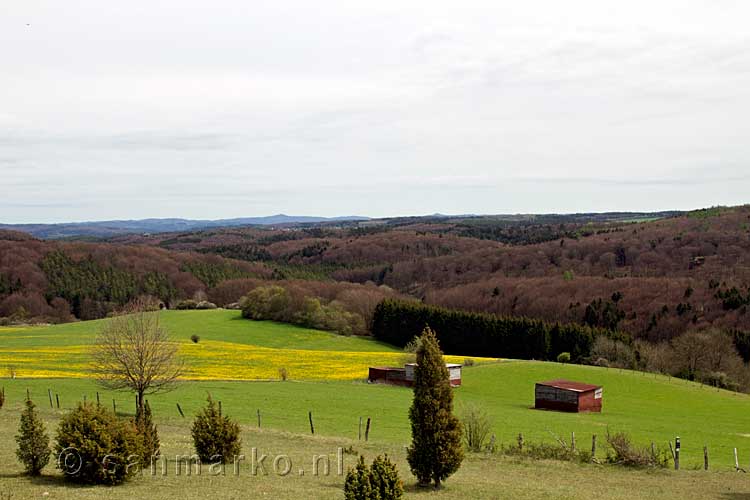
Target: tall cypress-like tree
{"type": "Point", "coordinates": [144, 422]}
{"type": "Point", "coordinates": [33, 443]}
{"type": "Point", "coordinates": [435, 452]}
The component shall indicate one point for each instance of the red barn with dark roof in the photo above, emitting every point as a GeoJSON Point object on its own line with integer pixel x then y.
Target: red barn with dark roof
{"type": "Point", "coordinates": [566, 395]}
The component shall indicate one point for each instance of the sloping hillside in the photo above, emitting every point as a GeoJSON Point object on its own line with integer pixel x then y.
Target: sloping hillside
{"type": "Point", "coordinates": [654, 279]}
{"type": "Point", "coordinates": [657, 277]}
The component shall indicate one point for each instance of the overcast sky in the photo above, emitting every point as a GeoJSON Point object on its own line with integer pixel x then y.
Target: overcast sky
{"type": "Point", "coordinates": [226, 108]}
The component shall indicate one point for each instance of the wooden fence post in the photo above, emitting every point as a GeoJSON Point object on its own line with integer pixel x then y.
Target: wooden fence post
{"type": "Point", "coordinates": [359, 438]}
{"type": "Point", "coordinates": [97, 399]}
{"type": "Point", "coordinates": [49, 393]}
{"type": "Point", "coordinates": [57, 399]}
{"type": "Point", "coordinates": [736, 462]}
{"type": "Point", "coordinates": [114, 406]}
{"type": "Point", "coordinates": [27, 394]}
{"type": "Point", "coordinates": [180, 410]}
{"type": "Point", "coordinates": [677, 453]}
{"type": "Point", "coordinates": [312, 427]}
{"type": "Point", "coordinates": [258, 418]}
{"type": "Point", "coordinates": [593, 447]}
{"type": "Point", "coordinates": [573, 441]}
{"type": "Point", "coordinates": [705, 458]}
{"type": "Point", "coordinates": [520, 441]}
{"type": "Point", "coordinates": [219, 408]}
{"type": "Point", "coordinates": [367, 430]}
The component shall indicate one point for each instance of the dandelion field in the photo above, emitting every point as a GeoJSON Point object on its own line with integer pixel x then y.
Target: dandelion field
{"type": "Point", "coordinates": [230, 348]}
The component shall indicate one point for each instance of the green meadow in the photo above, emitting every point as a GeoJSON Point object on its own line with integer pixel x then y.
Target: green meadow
{"type": "Point", "coordinates": [217, 325]}
{"type": "Point", "coordinates": [650, 408]}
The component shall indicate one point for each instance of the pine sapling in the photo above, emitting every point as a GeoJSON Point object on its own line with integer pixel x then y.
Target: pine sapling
{"type": "Point", "coordinates": [33, 443]}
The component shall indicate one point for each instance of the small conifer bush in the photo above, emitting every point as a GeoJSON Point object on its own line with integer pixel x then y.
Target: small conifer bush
{"type": "Point", "coordinates": [384, 479]}
{"type": "Point", "coordinates": [358, 484]}
{"type": "Point", "coordinates": [378, 482]}
{"type": "Point", "coordinates": [95, 447]}
{"type": "Point", "coordinates": [216, 437]}
{"type": "Point", "coordinates": [33, 443]}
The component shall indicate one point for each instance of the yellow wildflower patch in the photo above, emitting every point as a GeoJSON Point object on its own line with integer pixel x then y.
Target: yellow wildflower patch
{"type": "Point", "coordinates": [228, 350]}
{"type": "Point", "coordinates": [228, 361]}
{"type": "Point", "coordinates": [216, 360]}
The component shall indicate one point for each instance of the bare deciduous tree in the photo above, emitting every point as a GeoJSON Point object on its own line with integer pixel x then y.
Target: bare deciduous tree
{"type": "Point", "coordinates": [133, 352]}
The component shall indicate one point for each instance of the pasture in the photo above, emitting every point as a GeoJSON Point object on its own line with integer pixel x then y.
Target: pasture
{"type": "Point", "coordinates": [327, 378]}
{"type": "Point", "coordinates": [230, 348]}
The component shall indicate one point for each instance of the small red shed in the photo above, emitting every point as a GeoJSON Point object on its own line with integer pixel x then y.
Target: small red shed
{"type": "Point", "coordinates": [405, 376]}
{"type": "Point", "coordinates": [388, 375]}
{"type": "Point", "coordinates": [565, 395]}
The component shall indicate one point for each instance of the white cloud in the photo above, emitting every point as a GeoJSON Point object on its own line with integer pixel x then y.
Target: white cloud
{"type": "Point", "coordinates": [230, 108]}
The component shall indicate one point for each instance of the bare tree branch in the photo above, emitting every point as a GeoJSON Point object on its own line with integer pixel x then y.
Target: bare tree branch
{"type": "Point", "coordinates": [132, 351]}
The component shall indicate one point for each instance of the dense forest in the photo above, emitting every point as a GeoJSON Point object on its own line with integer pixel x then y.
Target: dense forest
{"type": "Point", "coordinates": [487, 335]}
{"type": "Point", "coordinates": [57, 282]}
{"type": "Point", "coordinates": [651, 276]}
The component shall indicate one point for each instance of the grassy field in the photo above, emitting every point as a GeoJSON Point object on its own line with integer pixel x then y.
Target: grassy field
{"type": "Point", "coordinates": [231, 348]}
{"type": "Point", "coordinates": [481, 476]}
{"type": "Point", "coordinates": [648, 407]}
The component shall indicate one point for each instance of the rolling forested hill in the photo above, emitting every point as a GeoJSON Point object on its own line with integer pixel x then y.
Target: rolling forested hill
{"type": "Point", "coordinates": [653, 276]}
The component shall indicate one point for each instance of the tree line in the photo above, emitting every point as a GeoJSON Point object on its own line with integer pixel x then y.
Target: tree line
{"type": "Point", "coordinates": [487, 335]}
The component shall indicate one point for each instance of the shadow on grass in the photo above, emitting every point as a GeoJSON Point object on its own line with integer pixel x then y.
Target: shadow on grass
{"type": "Point", "coordinates": [43, 480]}
{"type": "Point", "coordinates": [416, 488]}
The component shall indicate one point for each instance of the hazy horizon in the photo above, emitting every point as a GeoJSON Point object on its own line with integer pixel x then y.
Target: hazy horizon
{"type": "Point", "coordinates": [333, 217]}
{"type": "Point", "coordinates": [116, 111]}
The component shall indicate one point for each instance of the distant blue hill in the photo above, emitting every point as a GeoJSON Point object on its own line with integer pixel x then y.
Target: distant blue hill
{"type": "Point", "coordinates": [115, 227]}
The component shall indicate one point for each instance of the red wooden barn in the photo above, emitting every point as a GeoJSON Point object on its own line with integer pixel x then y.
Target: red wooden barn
{"type": "Point", "coordinates": [565, 395]}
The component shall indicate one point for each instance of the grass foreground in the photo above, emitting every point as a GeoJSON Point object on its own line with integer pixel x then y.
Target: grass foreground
{"type": "Point", "coordinates": [650, 408]}
{"type": "Point", "coordinates": [481, 476]}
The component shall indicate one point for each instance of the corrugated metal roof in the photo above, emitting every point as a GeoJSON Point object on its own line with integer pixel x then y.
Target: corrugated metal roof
{"type": "Point", "coordinates": [570, 385]}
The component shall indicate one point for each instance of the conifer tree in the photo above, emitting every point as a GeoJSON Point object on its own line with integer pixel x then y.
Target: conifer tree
{"type": "Point", "coordinates": [435, 452]}
{"type": "Point", "coordinates": [358, 485]}
{"type": "Point", "coordinates": [93, 446]}
{"type": "Point", "coordinates": [33, 443]}
{"type": "Point", "coordinates": [144, 422]}
{"type": "Point", "coordinates": [216, 437]}
{"type": "Point", "coordinates": [378, 482]}
{"type": "Point", "coordinates": [386, 484]}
